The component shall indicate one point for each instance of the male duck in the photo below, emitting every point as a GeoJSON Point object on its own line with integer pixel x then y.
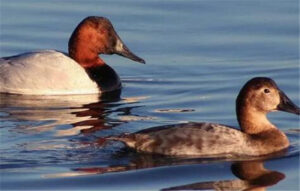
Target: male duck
{"type": "Point", "coordinates": [49, 72]}
{"type": "Point", "coordinates": [258, 136]}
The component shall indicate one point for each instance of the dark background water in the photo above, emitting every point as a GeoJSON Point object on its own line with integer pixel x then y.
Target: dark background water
{"type": "Point", "coordinates": [198, 54]}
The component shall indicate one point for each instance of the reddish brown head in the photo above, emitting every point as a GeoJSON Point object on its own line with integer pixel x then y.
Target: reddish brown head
{"type": "Point", "coordinates": [94, 36]}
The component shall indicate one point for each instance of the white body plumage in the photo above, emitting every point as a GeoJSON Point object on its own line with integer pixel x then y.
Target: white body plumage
{"type": "Point", "coordinates": [46, 72]}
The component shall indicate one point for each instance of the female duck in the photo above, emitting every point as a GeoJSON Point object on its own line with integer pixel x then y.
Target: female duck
{"type": "Point", "coordinates": [258, 136]}
{"type": "Point", "coordinates": [81, 72]}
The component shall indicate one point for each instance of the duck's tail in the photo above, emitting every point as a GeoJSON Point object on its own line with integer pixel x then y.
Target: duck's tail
{"type": "Point", "coordinates": [126, 138]}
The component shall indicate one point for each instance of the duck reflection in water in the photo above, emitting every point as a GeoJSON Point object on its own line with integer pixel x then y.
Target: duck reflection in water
{"type": "Point", "coordinates": [97, 113]}
{"type": "Point", "coordinates": [68, 115]}
{"type": "Point", "coordinates": [251, 175]}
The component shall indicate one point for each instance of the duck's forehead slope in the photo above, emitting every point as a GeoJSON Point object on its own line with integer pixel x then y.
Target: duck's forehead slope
{"type": "Point", "coordinates": [259, 82]}
{"type": "Point", "coordinates": [96, 22]}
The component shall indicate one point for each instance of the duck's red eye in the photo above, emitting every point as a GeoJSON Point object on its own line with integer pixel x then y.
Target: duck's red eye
{"type": "Point", "coordinates": [266, 91]}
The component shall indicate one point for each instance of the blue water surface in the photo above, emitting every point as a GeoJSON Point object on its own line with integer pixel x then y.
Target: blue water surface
{"type": "Point", "coordinates": [198, 54]}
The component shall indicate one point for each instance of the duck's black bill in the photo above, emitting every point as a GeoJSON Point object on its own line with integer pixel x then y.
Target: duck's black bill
{"type": "Point", "coordinates": [287, 105]}
{"type": "Point", "coordinates": [128, 54]}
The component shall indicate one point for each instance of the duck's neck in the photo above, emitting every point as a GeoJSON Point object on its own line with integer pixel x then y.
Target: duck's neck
{"type": "Point", "coordinates": [264, 137]}
{"type": "Point", "coordinates": [83, 49]}
{"type": "Point", "coordinates": [252, 121]}
{"type": "Point", "coordinates": [85, 57]}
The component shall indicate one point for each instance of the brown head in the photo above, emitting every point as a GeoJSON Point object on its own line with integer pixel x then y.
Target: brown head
{"type": "Point", "coordinates": [259, 96]}
{"type": "Point", "coordinates": [94, 36]}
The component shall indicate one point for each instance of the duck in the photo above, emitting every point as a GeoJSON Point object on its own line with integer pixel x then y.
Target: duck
{"type": "Point", "coordinates": [81, 71]}
{"type": "Point", "coordinates": [257, 135]}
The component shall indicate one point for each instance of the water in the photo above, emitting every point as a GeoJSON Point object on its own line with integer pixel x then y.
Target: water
{"type": "Point", "coordinates": [198, 54]}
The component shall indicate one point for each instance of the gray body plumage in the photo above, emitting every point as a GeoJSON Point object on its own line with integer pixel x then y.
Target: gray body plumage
{"type": "Point", "coordinates": [201, 139]}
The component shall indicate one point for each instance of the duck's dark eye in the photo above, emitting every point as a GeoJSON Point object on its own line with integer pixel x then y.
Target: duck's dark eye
{"type": "Point", "coordinates": [266, 91]}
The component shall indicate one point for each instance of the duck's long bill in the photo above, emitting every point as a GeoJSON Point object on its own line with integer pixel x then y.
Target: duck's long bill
{"type": "Point", "coordinates": [122, 50]}
{"type": "Point", "coordinates": [287, 105]}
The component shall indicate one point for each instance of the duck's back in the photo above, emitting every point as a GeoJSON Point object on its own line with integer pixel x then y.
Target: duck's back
{"type": "Point", "coordinates": [202, 139]}
{"type": "Point", "coordinates": [45, 72]}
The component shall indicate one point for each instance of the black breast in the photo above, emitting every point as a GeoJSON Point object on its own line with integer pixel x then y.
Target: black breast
{"type": "Point", "coordinates": [105, 77]}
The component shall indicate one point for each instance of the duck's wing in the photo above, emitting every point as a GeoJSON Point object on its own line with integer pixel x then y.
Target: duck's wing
{"type": "Point", "coordinates": [44, 72]}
